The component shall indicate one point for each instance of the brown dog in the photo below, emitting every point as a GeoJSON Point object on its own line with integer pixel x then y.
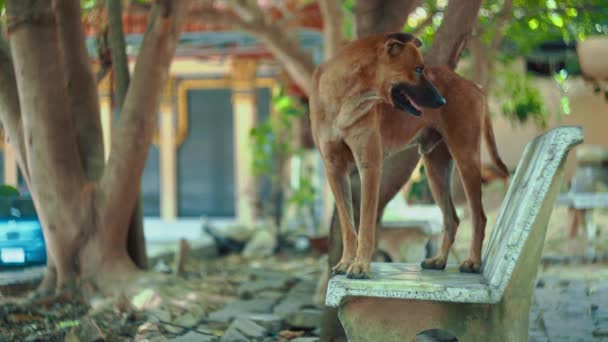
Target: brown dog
{"type": "Point", "coordinates": [375, 98]}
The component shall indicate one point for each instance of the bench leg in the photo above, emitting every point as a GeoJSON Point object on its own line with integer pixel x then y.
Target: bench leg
{"type": "Point", "coordinates": [398, 320]}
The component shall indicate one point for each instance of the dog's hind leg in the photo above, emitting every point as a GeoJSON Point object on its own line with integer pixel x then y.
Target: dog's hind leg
{"type": "Point", "coordinates": [438, 166]}
{"type": "Point", "coordinates": [367, 151]}
{"type": "Point", "coordinates": [339, 182]}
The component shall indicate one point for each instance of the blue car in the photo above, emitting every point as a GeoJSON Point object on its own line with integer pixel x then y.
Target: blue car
{"type": "Point", "coordinates": [21, 238]}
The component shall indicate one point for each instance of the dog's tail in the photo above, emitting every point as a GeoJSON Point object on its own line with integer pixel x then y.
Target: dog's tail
{"type": "Point", "coordinates": [488, 133]}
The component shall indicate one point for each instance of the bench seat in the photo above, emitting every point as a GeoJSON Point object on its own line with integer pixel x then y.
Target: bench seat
{"type": "Point", "coordinates": [410, 281]}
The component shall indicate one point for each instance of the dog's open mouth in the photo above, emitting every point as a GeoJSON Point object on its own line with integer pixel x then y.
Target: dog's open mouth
{"type": "Point", "coordinates": [404, 102]}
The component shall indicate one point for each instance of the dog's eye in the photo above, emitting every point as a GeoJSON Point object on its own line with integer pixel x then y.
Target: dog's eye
{"type": "Point", "coordinates": [419, 69]}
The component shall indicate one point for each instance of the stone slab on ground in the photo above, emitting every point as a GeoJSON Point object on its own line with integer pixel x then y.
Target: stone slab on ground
{"type": "Point", "coordinates": [271, 322]}
{"type": "Point", "coordinates": [194, 336]}
{"type": "Point", "coordinates": [250, 289]}
{"type": "Point", "coordinates": [292, 303]}
{"type": "Point", "coordinates": [248, 328]}
{"type": "Point", "coordinates": [305, 319]}
{"type": "Point", "coordinates": [231, 310]}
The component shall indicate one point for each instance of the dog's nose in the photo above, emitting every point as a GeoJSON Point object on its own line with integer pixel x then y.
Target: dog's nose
{"type": "Point", "coordinates": [441, 101]}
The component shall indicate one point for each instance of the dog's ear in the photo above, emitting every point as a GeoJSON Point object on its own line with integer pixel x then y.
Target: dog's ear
{"type": "Point", "coordinates": [417, 41]}
{"type": "Point", "coordinates": [393, 47]}
{"type": "Point", "coordinates": [396, 41]}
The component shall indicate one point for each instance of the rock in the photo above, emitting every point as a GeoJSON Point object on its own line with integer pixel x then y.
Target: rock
{"type": "Point", "coordinates": [146, 298]}
{"type": "Point", "coordinates": [188, 320]}
{"type": "Point", "coordinates": [233, 309]}
{"type": "Point", "coordinates": [305, 319]}
{"type": "Point", "coordinates": [302, 287]}
{"type": "Point", "coordinates": [275, 296]}
{"type": "Point", "coordinates": [173, 329]}
{"type": "Point", "coordinates": [194, 336]}
{"type": "Point", "coordinates": [261, 245]}
{"type": "Point", "coordinates": [162, 267]}
{"type": "Point", "coordinates": [233, 335]}
{"type": "Point", "coordinates": [89, 331]}
{"type": "Point", "coordinates": [149, 332]}
{"type": "Point", "coordinates": [159, 315]}
{"type": "Point", "coordinates": [259, 274]}
{"type": "Point", "coordinates": [250, 289]}
{"type": "Point", "coordinates": [271, 322]}
{"type": "Point", "coordinates": [248, 328]}
{"type": "Point", "coordinates": [293, 303]}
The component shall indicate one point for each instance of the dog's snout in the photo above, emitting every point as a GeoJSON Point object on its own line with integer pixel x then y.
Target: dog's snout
{"type": "Point", "coordinates": [440, 101]}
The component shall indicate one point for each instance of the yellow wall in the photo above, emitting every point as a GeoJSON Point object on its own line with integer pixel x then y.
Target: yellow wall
{"type": "Point", "coordinates": [587, 110]}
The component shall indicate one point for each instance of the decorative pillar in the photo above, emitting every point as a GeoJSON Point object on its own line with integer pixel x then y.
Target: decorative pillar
{"type": "Point", "coordinates": [106, 124]}
{"type": "Point", "coordinates": [10, 166]}
{"type": "Point", "coordinates": [245, 112]}
{"type": "Point", "coordinates": [168, 164]}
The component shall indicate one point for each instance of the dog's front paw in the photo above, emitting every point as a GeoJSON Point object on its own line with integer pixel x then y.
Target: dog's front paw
{"type": "Point", "coordinates": [470, 266]}
{"type": "Point", "coordinates": [436, 263]}
{"type": "Point", "coordinates": [359, 270]}
{"type": "Point", "coordinates": [342, 266]}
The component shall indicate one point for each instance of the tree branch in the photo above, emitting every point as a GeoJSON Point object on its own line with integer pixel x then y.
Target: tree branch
{"type": "Point", "coordinates": [502, 18]}
{"type": "Point", "coordinates": [131, 140]}
{"type": "Point", "coordinates": [333, 36]}
{"type": "Point", "coordinates": [81, 86]}
{"type": "Point", "coordinates": [117, 45]}
{"type": "Point", "coordinates": [248, 17]}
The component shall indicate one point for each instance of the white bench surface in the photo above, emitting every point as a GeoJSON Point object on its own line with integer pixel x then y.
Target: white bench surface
{"type": "Point", "coordinates": [409, 281]}
{"type": "Point", "coordinates": [526, 208]}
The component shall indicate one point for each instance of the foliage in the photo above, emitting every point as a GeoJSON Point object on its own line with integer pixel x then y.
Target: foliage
{"type": "Point", "coordinates": [270, 138]}
{"type": "Point", "coordinates": [420, 192]}
{"type": "Point", "coordinates": [273, 144]}
{"type": "Point", "coordinates": [521, 102]}
{"type": "Point", "coordinates": [538, 21]}
{"type": "Point", "coordinates": [8, 191]}
{"type": "Point", "coordinates": [532, 23]}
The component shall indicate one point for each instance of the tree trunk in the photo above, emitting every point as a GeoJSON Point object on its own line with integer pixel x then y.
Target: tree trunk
{"type": "Point", "coordinates": [448, 44]}
{"type": "Point", "coordinates": [84, 214]}
{"type": "Point", "coordinates": [136, 244]}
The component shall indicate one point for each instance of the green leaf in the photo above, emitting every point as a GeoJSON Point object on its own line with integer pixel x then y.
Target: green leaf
{"type": "Point", "coordinates": [68, 324]}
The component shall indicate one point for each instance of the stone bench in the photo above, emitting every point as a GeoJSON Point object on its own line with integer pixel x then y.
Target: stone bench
{"type": "Point", "coordinates": [401, 300]}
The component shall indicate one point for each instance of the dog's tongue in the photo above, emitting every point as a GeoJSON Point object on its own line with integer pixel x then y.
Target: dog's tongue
{"type": "Point", "coordinates": [414, 104]}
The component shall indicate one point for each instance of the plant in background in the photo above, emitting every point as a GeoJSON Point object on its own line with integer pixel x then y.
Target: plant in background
{"type": "Point", "coordinates": [520, 100]}
{"type": "Point", "coordinates": [273, 145]}
{"type": "Point", "coordinates": [420, 191]}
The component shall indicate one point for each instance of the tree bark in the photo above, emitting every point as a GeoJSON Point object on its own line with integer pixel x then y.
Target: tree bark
{"type": "Point", "coordinates": [377, 16]}
{"type": "Point", "coordinates": [51, 142]}
{"type": "Point", "coordinates": [333, 37]}
{"type": "Point", "coordinates": [81, 87]}
{"type": "Point", "coordinates": [136, 244]}
{"type": "Point", "coordinates": [84, 221]}
{"type": "Point", "coordinates": [446, 49]}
